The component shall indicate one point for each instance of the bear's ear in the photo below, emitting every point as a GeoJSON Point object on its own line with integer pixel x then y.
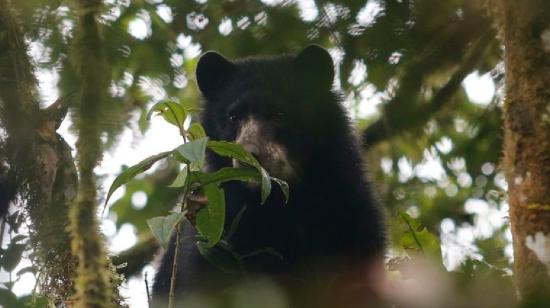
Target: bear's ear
{"type": "Point", "coordinates": [213, 71]}
{"type": "Point", "coordinates": [315, 67]}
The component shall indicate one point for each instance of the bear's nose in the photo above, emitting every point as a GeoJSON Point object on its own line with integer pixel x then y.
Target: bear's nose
{"type": "Point", "coordinates": [252, 148]}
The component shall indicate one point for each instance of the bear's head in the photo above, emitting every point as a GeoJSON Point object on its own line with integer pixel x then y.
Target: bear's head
{"type": "Point", "coordinates": [281, 109]}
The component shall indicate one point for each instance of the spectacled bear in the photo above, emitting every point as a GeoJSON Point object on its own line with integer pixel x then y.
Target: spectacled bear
{"type": "Point", "coordinates": [330, 234]}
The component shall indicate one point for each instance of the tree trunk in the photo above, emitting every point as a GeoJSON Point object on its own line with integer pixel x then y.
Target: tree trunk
{"type": "Point", "coordinates": [525, 29]}
{"type": "Point", "coordinates": [40, 163]}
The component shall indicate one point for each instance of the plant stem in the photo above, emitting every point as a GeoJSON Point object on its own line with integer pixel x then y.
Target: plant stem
{"type": "Point", "coordinates": [2, 227]}
{"type": "Point", "coordinates": [171, 296]}
{"type": "Point", "coordinates": [147, 291]}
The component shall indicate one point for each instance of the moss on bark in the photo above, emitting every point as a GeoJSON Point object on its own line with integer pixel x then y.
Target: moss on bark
{"type": "Point", "coordinates": [527, 135]}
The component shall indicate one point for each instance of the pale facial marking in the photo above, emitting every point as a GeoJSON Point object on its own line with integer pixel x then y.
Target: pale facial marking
{"type": "Point", "coordinates": [271, 155]}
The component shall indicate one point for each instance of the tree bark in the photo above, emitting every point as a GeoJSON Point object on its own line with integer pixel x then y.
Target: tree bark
{"type": "Point", "coordinates": [525, 30]}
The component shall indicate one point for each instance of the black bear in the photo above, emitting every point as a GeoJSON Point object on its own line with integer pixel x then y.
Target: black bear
{"type": "Point", "coordinates": [284, 111]}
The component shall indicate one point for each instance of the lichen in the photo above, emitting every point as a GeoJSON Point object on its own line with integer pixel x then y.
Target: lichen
{"type": "Point", "coordinates": [545, 38]}
{"type": "Point", "coordinates": [538, 206]}
{"type": "Point", "coordinates": [540, 246]}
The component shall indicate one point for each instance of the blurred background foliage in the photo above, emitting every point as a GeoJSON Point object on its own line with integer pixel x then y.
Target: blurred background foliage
{"type": "Point", "coordinates": [432, 150]}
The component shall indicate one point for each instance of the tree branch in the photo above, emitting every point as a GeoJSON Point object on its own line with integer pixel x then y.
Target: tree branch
{"type": "Point", "coordinates": [392, 121]}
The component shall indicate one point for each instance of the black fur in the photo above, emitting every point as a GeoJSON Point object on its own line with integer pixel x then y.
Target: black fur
{"type": "Point", "coordinates": [331, 219]}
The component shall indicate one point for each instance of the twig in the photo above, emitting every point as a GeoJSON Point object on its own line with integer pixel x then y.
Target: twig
{"type": "Point", "coordinates": [147, 290]}
{"type": "Point", "coordinates": [2, 228]}
{"type": "Point", "coordinates": [171, 296]}
{"type": "Point", "coordinates": [413, 232]}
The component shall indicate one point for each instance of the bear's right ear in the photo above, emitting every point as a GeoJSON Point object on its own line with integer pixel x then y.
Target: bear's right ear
{"type": "Point", "coordinates": [315, 68]}
{"type": "Point", "coordinates": [213, 71]}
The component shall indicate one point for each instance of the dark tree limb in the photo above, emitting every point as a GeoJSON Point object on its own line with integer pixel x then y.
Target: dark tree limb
{"type": "Point", "coordinates": [400, 108]}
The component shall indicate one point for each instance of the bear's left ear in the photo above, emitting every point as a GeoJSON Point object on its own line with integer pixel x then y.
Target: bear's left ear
{"type": "Point", "coordinates": [213, 72]}
{"type": "Point", "coordinates": [315, 67]}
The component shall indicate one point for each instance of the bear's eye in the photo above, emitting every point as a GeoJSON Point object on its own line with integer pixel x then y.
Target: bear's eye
{"type": "Point", "coordinates": [279, 116]}
{"type": "Point", "coordinates": [232, 118]}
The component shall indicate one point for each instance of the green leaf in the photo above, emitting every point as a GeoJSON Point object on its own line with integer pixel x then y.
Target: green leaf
{"type": "Point", "coordinates": [210, 220]}
{"type": "Point", "coordinates": [224, 175]}
{"type": "Point", "coordinates": [266, 184]}
{"type": "Point", "coordinates": [177, 156]}
{"type": "Point", "coordinates": [28, 269]}
{"type": "Point", "coordinates": [18, 238]}
{"type": "Point", "coordinates": [193, 151]}
{"type": "Point", "coordinates": [180, 180]}
{"type": "Point", "coordinates": [35, 301]}
{"type": "Point", "coordinates": [196, 131]}
{"type": "Point", "coordinates": [235, 223]}
{"type": "Point", "coordinates": [417, 239]}
{"type": "Point", "coordinates": [172, 112]}
{"type": "Point", "coordinates": [8, 298]}
{"type": "Point", "coordinates": [11, 256]}
{"type": "Point", "coordinates": [269, 251]}
{"type": "Point", "coordinates": [162, 227]}
{"type": "Point", "coordinates": [233, 150]}
{"type": "Point", "coordinates": [131, 172]}
{"type": "Point", "coordinates": [220, 257]}
{"type": "Point", "coordinates": [284, 187]}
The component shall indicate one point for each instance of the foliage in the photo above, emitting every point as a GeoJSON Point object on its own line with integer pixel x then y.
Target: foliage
{"type": "Point", "coordinates": [209, 218]}
{"type": "Point", "coordinates": [191, 154]}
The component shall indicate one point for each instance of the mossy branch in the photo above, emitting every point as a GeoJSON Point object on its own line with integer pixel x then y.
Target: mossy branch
{"type": "Point", "coordinates": [93, 282]}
